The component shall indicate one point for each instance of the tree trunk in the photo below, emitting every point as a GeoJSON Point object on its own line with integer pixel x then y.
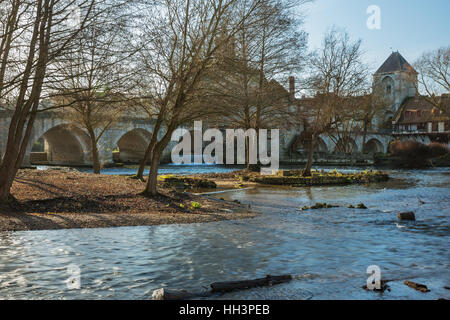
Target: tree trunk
{"type": "Point", "coordinates": [309, 163]}
{"type": "Point", "coordinates": [95, 159]}
{"type": "Point", "coordinates": [151, 145]}
{"type": "Point", "coordinates": [14, 154]}
{"type": "Point", "coordinates": [94, 148]}
{"type": "Point", "coordinates": [7, 174]}
{"type": "Point", "coordinates": [144, 161]}
{"type": "Point", "coordinates": [152, 183]}
{"type": "Point", "coordinates": [24, 114]}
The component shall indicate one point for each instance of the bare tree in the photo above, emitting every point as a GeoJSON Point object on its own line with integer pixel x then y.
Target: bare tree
{"type": "Point", "coordinates": [33, 34]}
{"type": "Point", "coordinates": [92, 82]}
{"type": "Point", "coordinates": [433, 75]}
{"type": "Point", "coordinates": [280, 52]}
{"type": "Point", "coordinates": [369, 109]}
{"type": "Point", "coordinates": [338, 76]}
{"type": "Point", "coordinates": [250, 73]}
{"type": "Point", "coordinates": [181, 40]}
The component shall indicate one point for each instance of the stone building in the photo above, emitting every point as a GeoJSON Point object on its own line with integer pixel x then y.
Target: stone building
{"type": "Point", "coordinates": [397, 79]}
{"type": "Point", "coordinates": [420, 119]}
{"type": "Point", "coordinates": [413, 117]}
{"type": "Point", "coordinates": [407, 116]}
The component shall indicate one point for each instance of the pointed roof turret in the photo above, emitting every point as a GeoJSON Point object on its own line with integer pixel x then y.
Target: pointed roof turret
{"type": "Point", "coordinates": [394, 63]}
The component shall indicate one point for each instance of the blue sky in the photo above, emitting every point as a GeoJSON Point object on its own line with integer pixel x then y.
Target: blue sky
{"type": "Point", "coordinates": [409, 26]}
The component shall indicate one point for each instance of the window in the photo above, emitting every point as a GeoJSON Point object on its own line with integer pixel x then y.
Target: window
{"type": "Point", "coordinates": [388, 89]}
{"type": "Point", "coordinates": [435, 127]}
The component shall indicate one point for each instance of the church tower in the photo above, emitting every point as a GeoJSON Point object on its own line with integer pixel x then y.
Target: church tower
{"type": "Point", "coordinates": [396, 79]}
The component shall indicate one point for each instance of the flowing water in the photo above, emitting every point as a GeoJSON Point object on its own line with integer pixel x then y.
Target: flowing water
{"type": "Point", "coordinates": [163, 169]}
{"type": "Point", "coordinates": [328, 251]}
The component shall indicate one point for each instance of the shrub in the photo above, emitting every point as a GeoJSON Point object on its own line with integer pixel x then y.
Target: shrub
{"type": "Point", "coordinates": [167, 177]}
{"type": "Point", "coordinates": [416, 154]}
{"type": "Point", "coordinates": [418, 150]}
{"type": "Point", "coordinates": [196, 205]}
{"type": "Point", "coordinates": [438, 150]}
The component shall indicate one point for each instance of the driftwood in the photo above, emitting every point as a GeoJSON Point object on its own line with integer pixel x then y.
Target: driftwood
{"type": "Point", "coordinates": [173, 294]}
{"type": "Point", "coordinates": [246, 284]}
{"type": "Point", "coordinates": [419, 287]}
{"type": "Point", "coordinates": [219, 287]}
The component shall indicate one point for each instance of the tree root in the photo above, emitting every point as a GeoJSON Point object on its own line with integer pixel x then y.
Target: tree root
{"type": "Point", "coordinates": [147, 194]}
{"type": "Point", "coordinates": [136, 177]}
{"type": "Point", "coordinates": [11, 203]}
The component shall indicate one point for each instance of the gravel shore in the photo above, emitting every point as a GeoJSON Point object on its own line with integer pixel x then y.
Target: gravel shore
{"type": "Point", "coordinates": [55, 199]}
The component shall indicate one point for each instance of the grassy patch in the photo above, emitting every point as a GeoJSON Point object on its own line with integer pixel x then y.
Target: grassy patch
{"type": "Point", "coordinates": [319, 178]}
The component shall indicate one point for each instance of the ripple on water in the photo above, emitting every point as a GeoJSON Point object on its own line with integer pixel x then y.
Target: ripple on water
{"type": "Point", "coordinates": [328, 251]}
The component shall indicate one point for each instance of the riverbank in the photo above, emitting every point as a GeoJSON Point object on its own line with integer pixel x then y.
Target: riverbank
{"type": "Point", "coordinates": [55, 199]}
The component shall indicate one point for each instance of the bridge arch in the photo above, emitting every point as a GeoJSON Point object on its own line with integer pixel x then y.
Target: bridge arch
{"type": "Point", "coordinates": [346, 145]}
{"type": "Point", "coordinates": [321, 146]}
{"type": "Point", "coordinates": [301, 144]}
{"type": "Point", "coordinates": [373, 146]}
{"type": "Point", "coordinates": [64, 144]}
{"type": "Point", "coordinates": [132, 145]}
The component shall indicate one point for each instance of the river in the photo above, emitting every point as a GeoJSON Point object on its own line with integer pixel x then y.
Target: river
{"type": "Point", "coordinates": [327, 251]}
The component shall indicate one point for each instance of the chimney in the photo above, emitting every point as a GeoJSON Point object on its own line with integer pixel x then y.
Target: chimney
{"type": "Point", "coordinates": [292, 88]}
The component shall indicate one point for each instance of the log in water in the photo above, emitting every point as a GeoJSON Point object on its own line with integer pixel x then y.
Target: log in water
{"type": "Point", "coordinates": [246, 284]}
{"type": "Point", "coordinates": [220, 287]}
{"type": "Point", "coordinates": [419, 287]}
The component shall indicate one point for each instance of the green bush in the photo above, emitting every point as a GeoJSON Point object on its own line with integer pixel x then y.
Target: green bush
{"type": "Point", "coordinates": [196, 205]}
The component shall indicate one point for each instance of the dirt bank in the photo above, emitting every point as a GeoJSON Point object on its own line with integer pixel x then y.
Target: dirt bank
{"type": "Point", "coordinates": [56, 199]}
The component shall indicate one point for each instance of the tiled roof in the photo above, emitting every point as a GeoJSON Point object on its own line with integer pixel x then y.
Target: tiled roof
{"type": "Point", "coordinates": [395, 62]}
{"type": "Point", "coordinates": [419, 110]}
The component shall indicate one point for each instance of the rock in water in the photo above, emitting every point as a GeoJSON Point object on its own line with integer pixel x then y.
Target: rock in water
{"type": "Point", "coordinates": [407, 216]}
{"type": "Point", "coordinates": [362, 206]}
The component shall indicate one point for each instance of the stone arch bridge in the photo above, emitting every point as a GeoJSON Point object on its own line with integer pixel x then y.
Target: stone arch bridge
{"type": "Point", "coordinates": [62, 143]}
{"type": "Point", "coordinates": [293, 149]}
